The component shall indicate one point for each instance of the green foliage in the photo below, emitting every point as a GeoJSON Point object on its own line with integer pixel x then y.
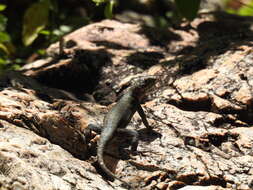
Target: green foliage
{"type": "Point", "coordinates": [108, 11]}
{"type": "Point", "coordinates": [2, 7]}
{"type": "Point", "coordinates": [239, 8]}
{"type": "Point", "coordinates": [4, 36]}
{"type": "Point", "coordinates": [188, 8]}
{"type": "Point", "coordinates": [6, 64]}
{"type": "Point", "coordinates": [3, 22]}
{"type": "Point", "coordinates": [63, 29]}
{"type": "Point", "coordinates": [38, 23]}
{"type": "Point", "coordinates": [35, 19]}
{"type": "Point", "coordinates": [6, 48]}
{"type": "Point", "coordinates": [56, 33]}
{"type": "Point", "coordinates": [98, 2]}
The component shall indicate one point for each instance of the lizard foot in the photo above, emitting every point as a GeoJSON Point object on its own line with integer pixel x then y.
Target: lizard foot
{"type": "Point", "coordinates": [153, 132]}
{"type": "Point", "coordinates": [124, 154]}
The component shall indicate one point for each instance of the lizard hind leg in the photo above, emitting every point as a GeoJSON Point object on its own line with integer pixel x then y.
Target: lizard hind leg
{"type": "Point", "coordinates": [134, 138]}
{"type": "Point", "coordinates": [95, 128]}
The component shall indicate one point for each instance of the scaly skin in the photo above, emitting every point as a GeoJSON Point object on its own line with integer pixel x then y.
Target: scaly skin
{"type": "Point", "coordinates": [120, 115]}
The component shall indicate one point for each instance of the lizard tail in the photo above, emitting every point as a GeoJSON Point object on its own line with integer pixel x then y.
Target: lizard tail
{"type": "Point", "coordinates": [100, 153]}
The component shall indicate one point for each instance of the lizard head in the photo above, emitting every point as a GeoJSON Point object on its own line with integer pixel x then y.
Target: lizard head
{"type": "Point", "coordinates": [142, 85]}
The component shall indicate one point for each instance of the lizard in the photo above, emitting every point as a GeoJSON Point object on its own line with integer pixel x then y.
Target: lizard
{"type": "Point", "coordinates": [117, 119]}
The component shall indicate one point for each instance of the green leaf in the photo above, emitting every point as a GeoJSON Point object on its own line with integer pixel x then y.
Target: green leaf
{"type": "Point", "coordinates": [4, 49]}
{"type": "Point", "coordinates": [2, 7]}
{"type": "Point", "coordinates": [188, 8]}
{"type": "Point", "coordinates": [2, 61]}
{"type": "Point", "coordinates": [54, 6]}
{"type": "Point", "coordinates": [57, 32]}
{"type": "Point", "coordinates": [242, 9]}
{"type": "Point", "coordinates": [98, 2]}
{"type": "Point", "coordinates": [4, 37]}
{"type": "Point", "coordinates": [109, 8]}
{"type": "Point", "coordinates": [15, 67]}
{"type": "Point", "coordinates": [41, 51]}
{"type": "Point", "coordinates": [45, 32]}
{"type": "Point", "coordinates": [246, 10]}
{"type": "Point", "coordinates": [65, 28]}
{"type": "Point", "coordinates": [35, 19]}
{"type": "Point", "coordinates": [3, 22]}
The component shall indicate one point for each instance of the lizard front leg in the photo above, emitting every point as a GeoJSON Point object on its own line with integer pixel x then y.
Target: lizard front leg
{"type": "Point", "coordinates": [145, 122]}
{"type": "Point", "coordinates": [143, 117]}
